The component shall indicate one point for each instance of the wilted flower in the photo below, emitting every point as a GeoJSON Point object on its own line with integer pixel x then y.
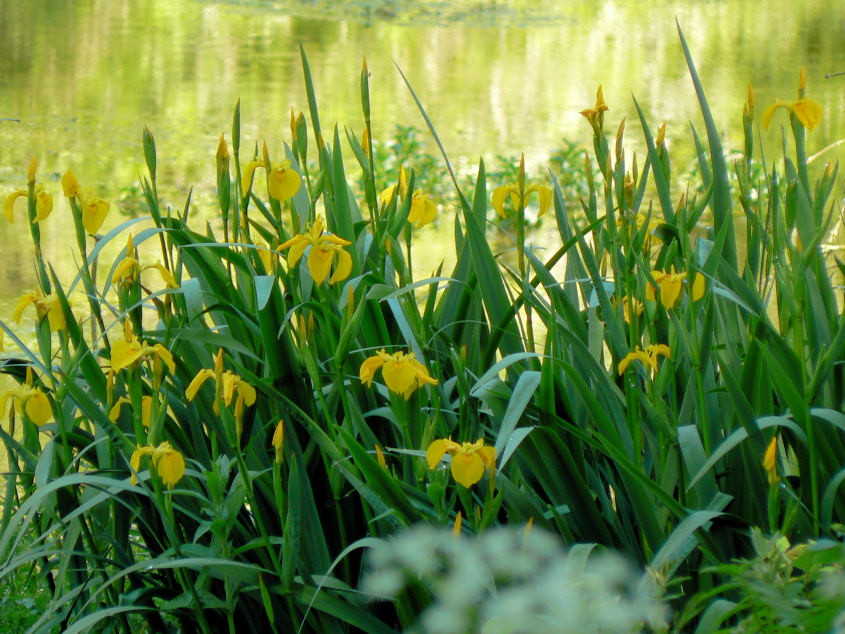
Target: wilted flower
{"type": "Point", "coordinates": [324, 249]}
{"type": "Point", "coordinates": [469, 459]}
{"type": "Point", "coordinates": [401, 371]}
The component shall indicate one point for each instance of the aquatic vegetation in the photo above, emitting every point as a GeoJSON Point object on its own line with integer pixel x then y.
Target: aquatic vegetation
{"type": "Point", "coordinates": [209, 447]}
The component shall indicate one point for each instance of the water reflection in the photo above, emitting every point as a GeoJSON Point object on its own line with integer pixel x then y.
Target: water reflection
{"type": "Point", "coordinates": [85, 76]}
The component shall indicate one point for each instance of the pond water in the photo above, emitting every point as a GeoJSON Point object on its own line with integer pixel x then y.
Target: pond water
{"type": "Point", "coordinates": [497, 78]}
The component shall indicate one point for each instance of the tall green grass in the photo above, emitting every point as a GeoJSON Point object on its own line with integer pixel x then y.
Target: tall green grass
{"type": "Point", "coordinates": [267, 529]}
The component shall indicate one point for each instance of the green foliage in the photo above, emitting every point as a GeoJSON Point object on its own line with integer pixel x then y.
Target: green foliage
{"type": "Point", "coordinates": [235, 414]}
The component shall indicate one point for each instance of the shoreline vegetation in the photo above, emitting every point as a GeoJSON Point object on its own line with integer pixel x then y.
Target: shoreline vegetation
{"type": "Point", "coordinates": [272, 423]}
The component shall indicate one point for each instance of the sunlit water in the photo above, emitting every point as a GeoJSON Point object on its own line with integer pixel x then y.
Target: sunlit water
{"type": "Point", "coordinates": [497, 78]}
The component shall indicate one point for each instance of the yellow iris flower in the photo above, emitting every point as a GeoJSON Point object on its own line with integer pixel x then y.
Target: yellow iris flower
{"type": "Point", "coordinates": [169, 463]}
{"type": "Point", "coordinates": [43, 203]}
{"type": "Point", "coordinates": [31, 400]}
{"type": "Point", "coordinates": [596, 115]}
{"type": "Point", "coordinates": [423, 210]}
{"type": "Point", "coordinates": [631, 303]}
{"type": "Point", "coordinates": [47, 306]}
{"type": "Point", "coordinates": [128, 351]}
{"type": "Point", "coordinates": [647, 357]}
{"type": "Point", "coordinates": [670, 287]}
{"type": "Point", "coordinates": [512, 192]}
{"type": "Point", "coordinates": [226, 384]}
{"type": "Point", "coordinates": [146, 409]}
{"type": "Point", "coordinates": [469, 459]}
{"type": "Point", "coordinates": [94, 209]}
{"type": "Point", "coordinates": [282, 181]}
{"type": "Point", "coordinates": [807, 111]}
{"type": "Point", "coordinates": [324, 249]}
{"type": "Point", "coordinates": [401, 371]}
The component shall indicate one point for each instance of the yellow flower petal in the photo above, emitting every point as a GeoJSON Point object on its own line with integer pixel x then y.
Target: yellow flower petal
{"type": "Point", "coordinates": [43, 204]}
{"type": "Point", "coordinates": [94, 212]}
{"type": "Point", "coordinates": [195, 384]}
{"type": "Point", "coordinates": [320, 260]}
{"type": "Point", "coordinates": [437, 449]}
{"type": "Point", "coordinates": [283, 182]}
{"type": "Point", "coordinates": [467, 468]}
{"type": "Point", "coordinates": [37, 407]}
{"type": "Point", "coordinates": [369, 367]}
{"type": "Point", "coordinates": [499, 196]}
{"type": "Point", "coordinates": [670, 289]}
{"type": "Point", "coordinates": [343, 268]}
{"type": "Point", "coordinates": [9, 203]}
{"type": "Point", "coordinates": [770, 460]}
{"type": "Point", "coordinates": [70, 186]}
{"type": "Point", "coordinates": [399, 376]}
{"type": "Point", "coordinates": [769, 112]}
{"type": "Point", "coordinates": [698, 287]}
{"type": "Point", "coordinates": [808, 112]}
{"type": "Point", "coordinates": [124, 354]}
{"type": "Point", "coordinates": [170, 465]}
{"type": "Point", "coordinates": [278, 441]}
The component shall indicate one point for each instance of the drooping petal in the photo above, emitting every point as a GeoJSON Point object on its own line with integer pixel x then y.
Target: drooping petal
{"type": "Point", "coordinates": [437, 449]}
{"type": "Point", "coordinates": [124, 354]}
{"type": "Point", "coordinates": [808, 112]}
{"type": "Point", "coordinates": [201, 377]}
{"type": "Point", "coordinates": [283, 182]}
{"type": "Point", "coordinates": [320, 260]}
{"type": "Point", "coordinates": [114, 412]}
{"type": "Point", "coordinates": [769, 112]}
{"type": "Point", "coordinates": [43, 205]}
{"type": "Point", "coordinates": [146, 410]}
{"type": "Point", "coordinates": [545, 195]}
{"type": "Point", "coordinates": [9, 203]}
{"type": "Point", "coordinates": [499, 195]}
{"type": "Point", "coordinates": [488, 456]}
{"type": "Point", "coordinates": [368, 369]}
{"type": "Point", "coordinates": [246, 391]}
{"type": "Point", "coordinates": [170, 466]}
{"type": "Point", "coordinates": [166, 356]}
{"type": "Point", "coordinates": [37, 407]}
{"type": "Point", "coordinates": [93, 214]}
{"type": "Point", "coordinates": [670, 289]}
{"type": "Point", "coordinates": [55, 314]}
{"type": "Point", "coordinates": [399, 376]}
{"type": "Point", "coordinates": [343, 268]}
{"type": "Point", "coordinates": [25, 300]}
{"type": "Point", "coordinates": [422, 374]}
{"type": "Point", "coordinates": [229, 383]}
{"type": "Point", "coordinates": [467, 468]}
{"type": "Point", "coordinates": [698, 287]}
